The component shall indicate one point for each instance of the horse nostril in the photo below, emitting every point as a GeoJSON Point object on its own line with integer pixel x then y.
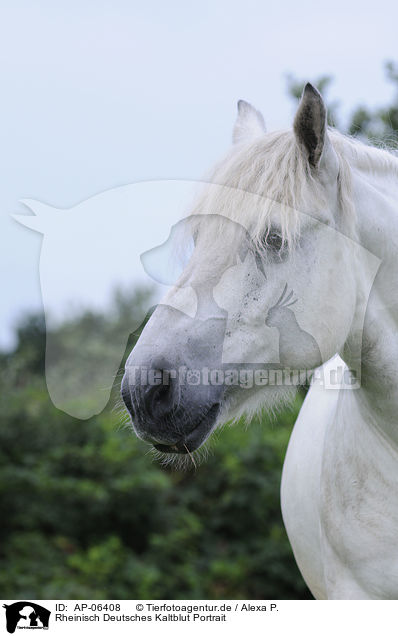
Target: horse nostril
{"type": "Point", "coordinates": [159, 398]}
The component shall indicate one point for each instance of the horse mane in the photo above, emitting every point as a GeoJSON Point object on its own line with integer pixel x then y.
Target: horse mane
{"type": "Point", "coordinates": [271, 179]}
{"type": "Point", "coordinates": [368, 158]}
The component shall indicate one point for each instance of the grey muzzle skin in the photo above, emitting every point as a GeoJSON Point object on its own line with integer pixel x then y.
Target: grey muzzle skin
{"type": "Point", "coordinates": [167, 410]}
{"type": "Point", "coordinates": [177, 416]}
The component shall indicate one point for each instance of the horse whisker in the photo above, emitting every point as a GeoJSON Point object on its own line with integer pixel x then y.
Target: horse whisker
{"type": "Point", "coordinates": [191, 456]}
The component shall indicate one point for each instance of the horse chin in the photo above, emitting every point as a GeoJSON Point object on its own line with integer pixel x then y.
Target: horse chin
{"type": "Point", "coordinates": [196, 437]}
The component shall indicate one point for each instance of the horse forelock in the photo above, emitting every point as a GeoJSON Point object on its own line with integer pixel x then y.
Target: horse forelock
{"type": "Point", "coordinates": [269, 181]}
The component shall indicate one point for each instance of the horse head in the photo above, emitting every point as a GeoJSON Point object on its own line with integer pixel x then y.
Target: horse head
{"type": "Point", "coordinates": [275, 215]}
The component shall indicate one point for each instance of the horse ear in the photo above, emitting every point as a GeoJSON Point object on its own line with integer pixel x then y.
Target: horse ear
{"type": "Point", "coordinates": [249, 123]}
{"type": "Point", "coordinates": [310, 125]}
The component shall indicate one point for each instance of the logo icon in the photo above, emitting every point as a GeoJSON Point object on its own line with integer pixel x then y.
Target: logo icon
{"type": "Point", "coordinates": [26, 615]}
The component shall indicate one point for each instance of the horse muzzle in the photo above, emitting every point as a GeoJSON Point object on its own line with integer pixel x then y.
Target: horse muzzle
{"type": "Point", "coordinates": [167, 412]}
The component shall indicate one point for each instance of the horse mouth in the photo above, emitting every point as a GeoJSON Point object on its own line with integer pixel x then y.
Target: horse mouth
{"type": "Point", "coordinates": [196, 437]}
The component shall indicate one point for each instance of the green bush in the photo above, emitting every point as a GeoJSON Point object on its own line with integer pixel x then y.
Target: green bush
{"type": "Point", "coordinates": [87, 512]}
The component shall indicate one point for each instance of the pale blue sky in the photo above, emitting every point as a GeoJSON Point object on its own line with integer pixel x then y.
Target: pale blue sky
{"type": "Point", "coordinates": [97, 94]}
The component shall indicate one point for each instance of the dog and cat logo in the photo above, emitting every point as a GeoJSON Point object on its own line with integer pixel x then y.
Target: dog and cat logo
{"type": "Point", "coordinates": [26, 615]}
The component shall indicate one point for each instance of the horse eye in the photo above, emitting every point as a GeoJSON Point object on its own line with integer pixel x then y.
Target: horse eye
{"type": "Point", "coordinates": [273, 241]}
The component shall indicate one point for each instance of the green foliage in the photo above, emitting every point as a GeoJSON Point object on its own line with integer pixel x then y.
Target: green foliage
{"type": "Point", "coordinates": [87, 513]}
{"type": "Point", "coordinates": [379, 125]}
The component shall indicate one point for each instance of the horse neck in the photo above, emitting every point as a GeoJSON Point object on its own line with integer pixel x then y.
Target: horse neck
{"type": "Point", "coordinates": [377, 208]}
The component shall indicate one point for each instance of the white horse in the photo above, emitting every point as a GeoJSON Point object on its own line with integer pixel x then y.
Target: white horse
{"type": "Point", "coordinates": [303, 202]}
